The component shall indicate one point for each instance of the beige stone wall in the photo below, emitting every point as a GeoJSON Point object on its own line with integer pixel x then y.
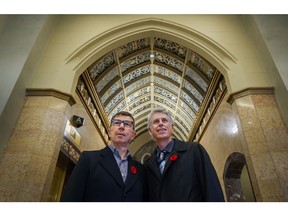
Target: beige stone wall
{"type": "Point", "coordinates": [29, 161]}
{"type": "Point", "coordinates": [265, 144]}
{"type": "Point", "coordinates": [90, 136]}
{"type": "Point", "coordinates": [222, 138]}
{"type": "Point", "coordinates": [23, 41]}
{"type": "Point", "coordinates": [253, 126]}
{"type": "Point", "coordinates": [78, 40]}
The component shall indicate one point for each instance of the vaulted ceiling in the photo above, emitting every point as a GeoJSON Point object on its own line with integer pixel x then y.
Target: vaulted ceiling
{"type": "Point", "coordinates": [152, 72]}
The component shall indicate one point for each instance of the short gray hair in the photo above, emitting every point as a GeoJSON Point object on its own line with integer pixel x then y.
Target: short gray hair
{"type": "Point", "coordinates": [159, 110]}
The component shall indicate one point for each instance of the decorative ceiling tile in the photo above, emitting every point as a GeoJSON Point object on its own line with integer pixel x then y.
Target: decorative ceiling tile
{"type": "Point", "coordinates": [139, 93]}
{"type": "Point", "coordinates": [133, 47]}
{"type": "Point", "coordinates": [188, 110]}
{"type": "Point", "coordinates": [141, 109]}
{"type": "Point", "coordinates": [140, 128]}
{"type": "Point", "coordinates": [195, 77]}
{"type": "Point", "coordinates": [202, 65]}
{"type": "Point", "coordinates": [118, 108]}
{"type": "Point", "coordinates": [182, 124]}
{"type": "Point", "coordinates": [193, 91]}
{"type": "Point", "coordinates": [106, 79]}
{"type": "Point", "coordinates": [135, 60]}
{"type": "Point", "coordinates": [169, 61]}
{"type": "Point", "coordinates": [178, 133]}
{"type": "Point", "coordinates": [104, 63]}
{"type": "Point", "coordinates": [141, 122]}
{"type": "Point", "coordinates": [136, 74]}
{"type": "Point", "coordinates": [165, 94]}
{"type": "Point", "coordinates": [184, 115]}
{"type": "Point", "coordinates": [142, 116]}
{"type": "Point", "coordinates": [171, 47]}
{"type": "Point", "coordinates": [114, 101]}
{"type": "Point", "coordinates": [139, 102]}
{"type": "Point", "coordinates": [190, 101]}
{"type": "Point", "coordinates": [137, 84]}
{"type": "Point", "coordinates": [166, 84]}
{"type": "Point", "coordinates": [110, 91]}
{"type": "Point", "coordinates": [165, 102]}
{"type": "Point", "coordinates": [168, 74]}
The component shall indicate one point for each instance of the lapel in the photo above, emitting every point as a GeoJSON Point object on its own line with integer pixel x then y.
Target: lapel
{"type": "Point", "coordinates": [152, 164]}
{"type": "Point", "coordinates": [179, 148]}
{"type": "Point", "coordinates": [110, 165]}
{"type": "Point", "coordinates": [132, 175]}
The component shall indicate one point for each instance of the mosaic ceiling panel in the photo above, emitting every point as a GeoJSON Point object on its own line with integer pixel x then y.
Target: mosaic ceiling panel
{"type": "Point", "coordinates": [153, 72]}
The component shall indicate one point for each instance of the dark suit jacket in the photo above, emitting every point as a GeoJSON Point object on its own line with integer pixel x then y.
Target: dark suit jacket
{"type": "Point", "coordinates": [96, 177]}
{"type": "Point", "coordinates": [188, 176]}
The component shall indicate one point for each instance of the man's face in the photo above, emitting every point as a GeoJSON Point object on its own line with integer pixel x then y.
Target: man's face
{"type": "Point", "coordinates": [121, 134]}
{"type": "Point", "coordinates": [161, 128]}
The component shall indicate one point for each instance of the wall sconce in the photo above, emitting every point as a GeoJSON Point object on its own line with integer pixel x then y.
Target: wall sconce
{"type": "Point", "coordinates": [77, 121]}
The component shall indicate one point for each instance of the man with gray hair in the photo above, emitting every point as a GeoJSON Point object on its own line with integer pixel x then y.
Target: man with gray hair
{"type": "Point", "coordinates": [178, 171]}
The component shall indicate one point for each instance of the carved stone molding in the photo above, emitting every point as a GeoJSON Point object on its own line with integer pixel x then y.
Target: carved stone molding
{"type": "Point", "coordinates": [51, 92]}
{"type": "Point", "coordinates": [249, 91]}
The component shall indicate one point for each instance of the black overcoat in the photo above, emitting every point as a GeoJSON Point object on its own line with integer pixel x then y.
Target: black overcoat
{"type": "Point", "coordinates": [188, 176]}
{"type": "Point", "coordinates": [96, 177]}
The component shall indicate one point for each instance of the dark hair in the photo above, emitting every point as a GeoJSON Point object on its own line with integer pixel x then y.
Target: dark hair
{"type": "Point", "coordinates": [124, 113]}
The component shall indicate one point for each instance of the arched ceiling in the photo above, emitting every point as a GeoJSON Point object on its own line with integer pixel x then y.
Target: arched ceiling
{"type": "Point", "coordinates": [147, 73]}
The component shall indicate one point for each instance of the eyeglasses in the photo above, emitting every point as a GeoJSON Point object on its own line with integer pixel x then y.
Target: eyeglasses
{"type": "Point", "coordinates": [117, 123]}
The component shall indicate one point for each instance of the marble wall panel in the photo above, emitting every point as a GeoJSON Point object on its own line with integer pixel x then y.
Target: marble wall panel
{"type": "Point", "coordinates": [264, 166]}
{"type": "Point", "coordinates": [271, 191]}
{"type": "Point", "coordinates": [256, 140]}
{"type": "Point", "coordinates": [29, 191]}
{"type": "Point", "coordinates": [252, 125]}
{"type": "Point", "coordinates": [281, 163]}
{"type": "Point", "coordinates": [222, 138]}
{"type": "Point", "coordinates": [266, 142]}
{"type": "Point", "coordinates": [32, 149]}
{"type": "Point", "coordinates": [284, 187]}
{"type": "Point", "coordinates": [272, 124]}
{"type": "Point", "coordinates": [276, 138]}
{"type": "Point", "coordinates": [8, 190]}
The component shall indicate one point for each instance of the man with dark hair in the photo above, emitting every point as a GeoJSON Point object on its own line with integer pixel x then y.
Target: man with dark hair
{"type": "Point", "coordinates": [109, 174]}
{"type": "Point", "coordinates": [178, 171]}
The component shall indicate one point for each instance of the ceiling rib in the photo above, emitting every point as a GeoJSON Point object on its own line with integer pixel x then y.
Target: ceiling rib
{"type": "Point", "coordinates": [176, 78]}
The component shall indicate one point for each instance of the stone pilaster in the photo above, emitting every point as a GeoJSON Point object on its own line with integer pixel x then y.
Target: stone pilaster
{"type": "Point", "coordinates": [29, 160]}
{"type": "Point", "coordinates": [264, 142]}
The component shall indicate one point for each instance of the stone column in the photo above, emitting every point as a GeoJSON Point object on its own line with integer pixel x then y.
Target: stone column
{"type": "Point", "coordinates": [264, 142]}
{"type": "Point", "coordinates": [29, 160]}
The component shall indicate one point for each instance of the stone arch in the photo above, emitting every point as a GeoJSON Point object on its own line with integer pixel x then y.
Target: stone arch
{"type": "Point", "coordinates": [101, 44]}
{"type": "Point", "coordinates": [236, 178]}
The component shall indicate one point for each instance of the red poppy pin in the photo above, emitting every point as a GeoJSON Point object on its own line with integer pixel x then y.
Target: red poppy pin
{"type": "Point", "coordinates": [133, 169]}
{"type": "Point", "coordinates": [173, 157]}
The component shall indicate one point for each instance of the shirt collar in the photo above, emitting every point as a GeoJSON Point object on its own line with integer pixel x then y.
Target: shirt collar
{"type": "Point", "coordinates": [168, 148]}
{"type": "Point", "coordinates": [116, 153]}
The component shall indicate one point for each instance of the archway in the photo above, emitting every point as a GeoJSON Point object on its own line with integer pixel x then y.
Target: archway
{"type": "Point", "coordinates": [237, 183]}
{"type": "Point", "coordinates": [183, 77]}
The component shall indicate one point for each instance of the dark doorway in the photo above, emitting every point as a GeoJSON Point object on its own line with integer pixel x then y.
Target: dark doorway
{"type": "Point", "coordinates": [237, 182]}
{"type": "Point", "coordinates": [62, 173]}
